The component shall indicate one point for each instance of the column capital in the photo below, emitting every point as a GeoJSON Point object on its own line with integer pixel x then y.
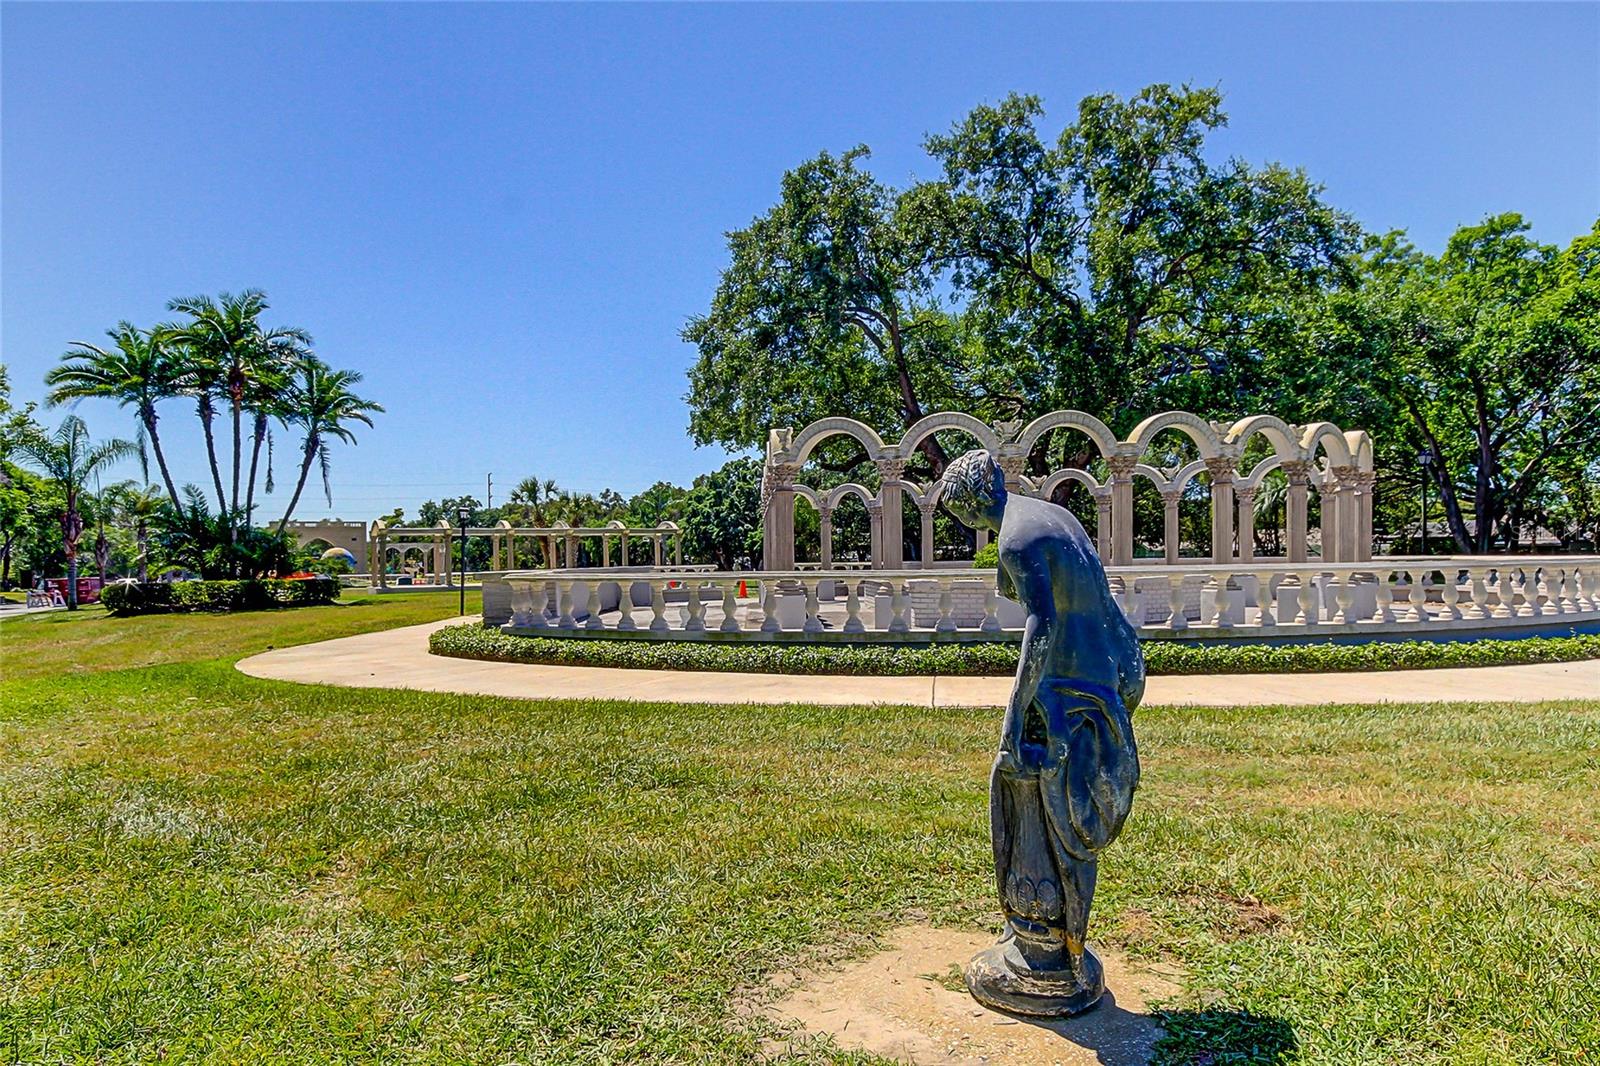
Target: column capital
{"type": "Point", "coordinates": [1171, 497]}
{"type": "Point", "coordinates": [874, 507]}
{"type": "Point", "coordinates": [890, 469]}
{"type": "Point", "coordinates": [1245, 495]}
{"type": "Point", "coordinates": [928, 507]}
{"type": "Point", "coordinates": [1121, 466]}
{"type": "Point", "coordinates": [1012, 466]}
{"type": "Point", "coordinates": [1221, 468]}
{"type": "Point", "coordinates": [825, 514]}
{"type": "Point", "coordinates": [1296, 470]}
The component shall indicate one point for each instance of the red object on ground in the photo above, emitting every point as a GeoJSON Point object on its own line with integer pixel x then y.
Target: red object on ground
{"type": "Point", "coordinates": [742, 591]}
{"type": "Point", "coordinates": [88, 588]}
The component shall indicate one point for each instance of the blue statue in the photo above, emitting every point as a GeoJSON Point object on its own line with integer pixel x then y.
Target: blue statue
{"type": "Point", "coordinates": [1063, 782]}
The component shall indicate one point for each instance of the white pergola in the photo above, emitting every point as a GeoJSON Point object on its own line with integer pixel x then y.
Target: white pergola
{"type": "Point", "coordinates": [1337, 463]}
{"type": "Point", "coordinates": [558, 544]}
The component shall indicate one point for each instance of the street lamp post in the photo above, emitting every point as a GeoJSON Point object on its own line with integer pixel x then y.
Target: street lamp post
{"type": "Point", "coordinates": [464, 515]}
{"type": "Point", "coordinates": [1425, 460]}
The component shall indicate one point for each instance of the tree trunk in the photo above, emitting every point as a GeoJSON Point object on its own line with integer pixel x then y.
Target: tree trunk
{"type": "Point", "coordinates": [72, 579]}
{"type": "Point", "coordinates": [299, 486]}
{"type": "Point", "coordinates": [207, 414]}
{"type": "Point", "coordinates": [149, 416]}
{"type": "Point", "coordinates": [144, 552]}
{"type": "Point", "coordinates": [259, 432]}
{"type": "Point", "coordinates": [236, 442]}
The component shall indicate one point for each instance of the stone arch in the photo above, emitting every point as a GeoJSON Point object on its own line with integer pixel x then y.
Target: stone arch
{"type": "Point", "coordinates": [1184, 475]}
{"type": "Point", "coordinates": [850, 488]}
{"type": "Point", "coordinates": [928, 425]}
{"type": "Point", "coordinates": [1279, 434]}
{"type": "Point", "coordinates": [1332, 442]}
{"type": "Point", "coordinates": [1360, 445]}
{"type": "Point", "coordinates": [1259, 472]}
{"type": "Point", "coordinates": [1158, 476]}
{"type": "Point", "coordinates": [1049, 484]}
{"type": "Point", "coordinates": [1193, 426]}
{"type": "Point", "coordinates": [797, 450]}
{"type": "Point", "coordinates": [808, 494]}
{"type": "Point", "coordinates": [1088, 424]}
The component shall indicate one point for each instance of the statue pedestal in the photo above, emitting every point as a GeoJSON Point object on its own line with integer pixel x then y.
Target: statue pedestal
{"type": "Point", "coordinates": [1003, 977]}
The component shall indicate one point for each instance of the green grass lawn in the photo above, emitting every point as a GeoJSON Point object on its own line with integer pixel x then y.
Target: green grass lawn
{"type": "Point", "coordinates": [195, 864]}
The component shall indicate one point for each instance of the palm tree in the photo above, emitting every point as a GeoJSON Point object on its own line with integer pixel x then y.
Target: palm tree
{"type": "Point", "coordinates": [234, 357]}
{"type": "Point", "coordinates": [320, 402]}
{"type": "Point", "coordinates": [138, 370]}
{"type": "Point", "coordinates": [532, 496]}
{"type": "Point", "coordinates": [138, 506]}
{"type": "Point", "coordinates": [71, 459]}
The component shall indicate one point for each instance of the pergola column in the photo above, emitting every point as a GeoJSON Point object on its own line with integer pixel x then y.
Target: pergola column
{"type": "Point", "coordinates": [677, 549]}
{"type": "Point", "coordinates": [1295, 506]}
{"type": "Point", "coordinates": [624, 548]}
{"type": "Point", "coordinates": [1366, 482]}
{"type": "Point", "coordinates": [777, 517]}
{"type": "Point", "coordinates": [890, 471]}
{"type": "Point", "coordinates": [875, 520]}
{"type": "Point", "coordinates": [926, 510]}
{"type": "Point", "coordinates": [550, 551]}
{"type": "Point", "coordinates": [569, 551]}
{"type": "Point", "coordinates": [1221, 468]}
{"type": "Point", "coordinates": [1121, 467]}
{"type": "Point", "coordinates": [605, 551]}
{"type": "Point", "coordinates": [657, 542]}
{"type": "Point", "coordinates": [1328, 491]}
{"type": "Point", "coordinates": [1102, 522]}
{"type": "Point", "coordinates": [1169, 525]}
{"type": "Point", "coordinates": [1246, 498]}
{"type": "Point", "coordinates": [380, 556]}
{"type": "Point", "coordinates": [825, 524]}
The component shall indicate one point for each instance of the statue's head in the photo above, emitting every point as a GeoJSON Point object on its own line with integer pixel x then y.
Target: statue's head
{"type": "Point", "coordinates": [975, 490]}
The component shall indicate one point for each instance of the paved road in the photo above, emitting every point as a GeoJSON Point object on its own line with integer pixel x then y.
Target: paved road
{"type": "Point", "coordinates": [398, 658]}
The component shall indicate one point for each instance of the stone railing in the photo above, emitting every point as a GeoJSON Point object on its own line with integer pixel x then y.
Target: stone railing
{"type": "Point", "coordinates": [1434, 596]}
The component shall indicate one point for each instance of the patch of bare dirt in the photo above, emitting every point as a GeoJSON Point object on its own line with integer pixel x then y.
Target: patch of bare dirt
{"type": "Point", "coordinates": [906, 1003]}
{"type": "Point", "coordinates": [1240, 916]}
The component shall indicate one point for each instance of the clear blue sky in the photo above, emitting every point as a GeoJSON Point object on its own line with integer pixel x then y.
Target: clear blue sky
{"type": "Point", "coordinates": [503, 214]}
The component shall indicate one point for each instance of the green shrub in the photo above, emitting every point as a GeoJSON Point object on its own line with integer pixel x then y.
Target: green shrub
{"type": "Point", "coordinates": [992, 658]}
{"type": "Point", "coordinates": [987, 557]}
{"type": "Point", "coordinates": [175, 597]}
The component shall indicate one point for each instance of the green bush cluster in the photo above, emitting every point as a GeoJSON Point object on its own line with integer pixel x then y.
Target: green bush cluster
{"type": "Point", "coordinates": [176, 597]}
{"type": "Point", "coordinates": [1161, 657]}
{"type": "Point", "coordinates": [987, 557]}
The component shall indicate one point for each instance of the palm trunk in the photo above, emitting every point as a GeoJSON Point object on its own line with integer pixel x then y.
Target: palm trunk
{"type": "Point", "coordinates": [207, 414]}
{"type": "Point", "coordinates": [149, 417]}
{"type": "Point", "coordinates": [144, 552]}
{"type": "Point", "coordinates": [72, 579]}
{"type": "Point", "coordinates": [259, 432]}
{"type": "Point", "coordinates": [236, 443]}
{"type": "Point", "coordinates": [299, 486]}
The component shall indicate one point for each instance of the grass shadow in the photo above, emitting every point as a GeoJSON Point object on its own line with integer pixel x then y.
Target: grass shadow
{"type": "Point", "coordinates": [1217, 1037]}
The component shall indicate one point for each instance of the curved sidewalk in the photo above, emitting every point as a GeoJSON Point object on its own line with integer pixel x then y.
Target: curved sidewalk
{"type": "Point", "coordinates": [398, 658]}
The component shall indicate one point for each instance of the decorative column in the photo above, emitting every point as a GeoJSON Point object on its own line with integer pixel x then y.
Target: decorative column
{"type": "Point", "coordinates": [825, 522]}
{"type": "Point", "coordinates": [777, 521]}
{"type": "Point", "coordinates": [677, 549]}
{"type": "Point", "coordinates": [1102, 524]}
{"type": "Point", "coordinates": [1246, 498]}
{"type": "Point", "coordinates": [1221, 468]}
{"type": "Point", "coordinates": [875, 520]}
{"type": "Point", "coordinates": [656, 541]}
{"type": "Point", "coordinates": [927, 510]}
{"type": "Point", "coordinates": [1361, 519]}
{"type": "Point", "coordinates": [1169, 525]}
{"type": "Point", "coordinates": [1122, 508]}
{"type": "Point", "coordinates": [569, 550]}
{"type": "Point", "coordinates": [890, 471]}
{"type": "Point", "coordinates": [380, 555]}
{"type": "Point", "coordinates": [605, 551]}
{"type": "Point", "coordinates": [1296, 470]}
{"type": "Point", "coordinates": [550, 551]}
{"type": "Point", "coordinates": [624, 548]}
{"type": "Point", "coordinates": [1012, 466]}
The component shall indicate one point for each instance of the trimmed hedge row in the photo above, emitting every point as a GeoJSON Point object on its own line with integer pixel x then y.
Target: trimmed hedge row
{"type": "Point", "coordinates": [1161, 657]}
{"type": "Point", "coordinates": [175, 597]}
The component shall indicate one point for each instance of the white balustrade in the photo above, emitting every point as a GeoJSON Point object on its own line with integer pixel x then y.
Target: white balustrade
{"type": "Point", "coordinates": [1388, 596]}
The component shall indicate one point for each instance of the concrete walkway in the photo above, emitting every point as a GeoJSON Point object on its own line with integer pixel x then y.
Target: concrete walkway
{"type": "Point", "coordinates": [398, 658]}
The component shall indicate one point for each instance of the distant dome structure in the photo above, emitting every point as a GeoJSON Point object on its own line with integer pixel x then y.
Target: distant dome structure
{"type": "Point", "coordinates": [340, 553]}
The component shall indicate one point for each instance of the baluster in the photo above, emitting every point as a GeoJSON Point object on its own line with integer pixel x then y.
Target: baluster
{"type": "Point", "coordinates": [1176, 619]}
{"type": "Point", "coordinates": [1128, 600]}
{"type": "Point", "coordinates": [991, 609]}
{"type": "Point", "coordinates": [1588, 594]}
{"type": "Point", "coordinates": [1385, 596]}
{"type": "Point", "coordinates": [1450, 593]}
{"type": "Point", "coordinates": [1500, 595]}
{"type": "Point", "coordinates": [658, 607]}
{"type": "Point", "coordinates": [1533, 592]}
{"type": "Point", "coordinates": [1344, 596]}
{"type": "Point", "coordinates": [1555, 579]}
{"type": "Point", "coordinates": [897, 606]}
{"type": "Point", "coordinates": [1266, 602]}
{"type": "Point", "coordinates": [592, 602]}
{"type": "Point", "coordinates": [1310, 614]}
{"type": "Point", "coordinates": [625, 621]}
{"type": "Point", "coordinates": [730, 606]}
{"type": "Point", "coordinates": [1419, 595]}
{"type": "Point", "coordinates": [769, 608]}
{"type": "Point", "coordinates": [1224, 601]}
{"type": "Point", "coordinates": [813, 618]}
{"type": "Point", "coordinates": [564, 605]}
{"type": "Point", "coordinates": [852, 607]}
{"type": "Point", "coordinates": [695, 622]}
{"type": "Point", "coordinates": [946, 623]}
{"type": "Point", "coordinates": [1480, 591]}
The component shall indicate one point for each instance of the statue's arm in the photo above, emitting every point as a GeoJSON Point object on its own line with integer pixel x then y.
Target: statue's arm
{"type": "Point", "coordinates": [1030, 577]}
